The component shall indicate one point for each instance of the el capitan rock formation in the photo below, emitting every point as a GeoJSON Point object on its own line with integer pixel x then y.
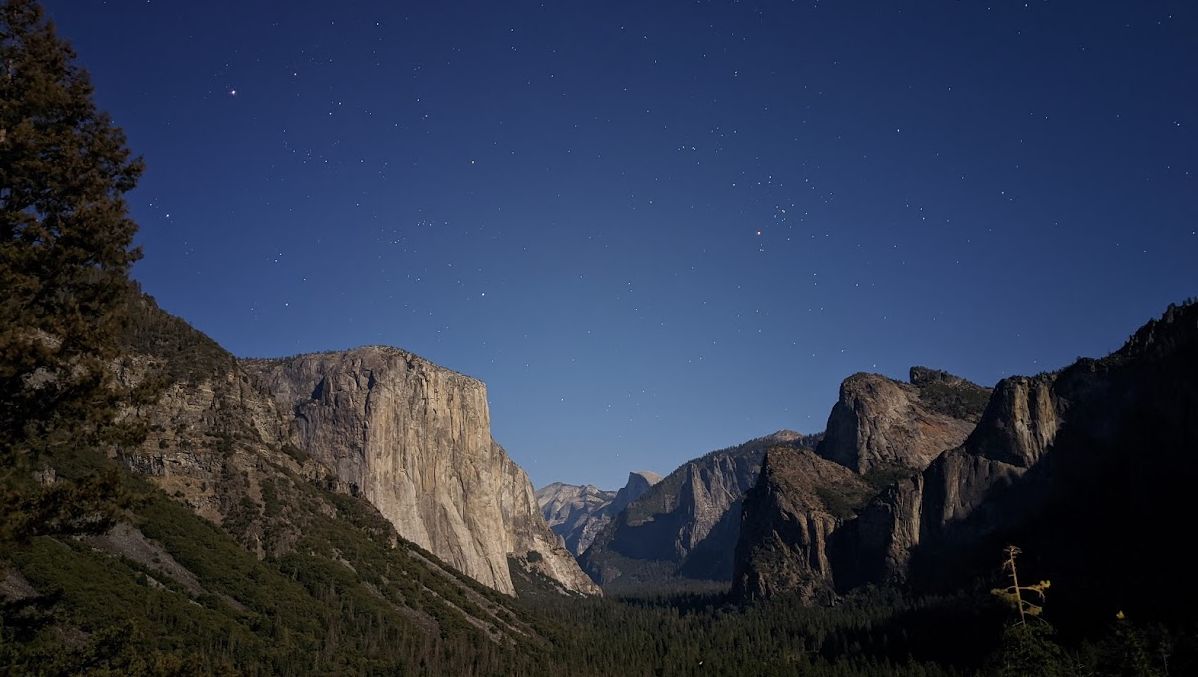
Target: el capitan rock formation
{"type": "Point", "coordinates": [411, 437]}
{"type": "Point", "coordinates": [414, 439]}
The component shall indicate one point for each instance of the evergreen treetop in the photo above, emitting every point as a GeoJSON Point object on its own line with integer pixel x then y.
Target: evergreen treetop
{"type": "Point", "coordinates": [65, 241]}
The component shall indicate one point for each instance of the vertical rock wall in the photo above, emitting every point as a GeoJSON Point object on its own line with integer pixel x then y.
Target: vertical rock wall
{"type": "Point", "coordinates": [415, 440]}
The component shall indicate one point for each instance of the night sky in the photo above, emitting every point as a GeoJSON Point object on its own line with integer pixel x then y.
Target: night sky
{"type": "Point", "coordinates": [659, 228]}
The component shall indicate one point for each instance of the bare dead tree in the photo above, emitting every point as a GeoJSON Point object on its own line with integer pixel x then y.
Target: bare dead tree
{"type": "Point", "coordinates": [1013, 594]}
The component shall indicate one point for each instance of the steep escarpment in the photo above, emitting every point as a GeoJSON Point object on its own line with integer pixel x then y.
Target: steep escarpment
{"type": "Point", "coordinates": [578, 513]}
{"type": "Point", "coordinates": [685, 526]}
{"type": "Point", "coordinates": [638, 484]}
{"type": "Point", "coordinates": [881, 432]}
{"type": "Point", "coordinates": [1088, 469]}
{"type": "Point", "coordinates": [1089, 466]}
{"type": "Point", "coordinates": [878, 424]}
{"type": "Point", "coordinates": [414, 439]}
{"type": "Point", "coordinates": [979, 489]}
{"type": "Point", "coordinates": [214, 439]}
{"type": "Point", "coordinates": [534, 548]}
{"type": "Point", "coordinates": [788, 516]}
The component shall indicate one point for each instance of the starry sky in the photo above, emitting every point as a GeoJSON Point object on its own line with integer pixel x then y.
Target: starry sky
{"type": "Point", "coordinates": [659, 228]}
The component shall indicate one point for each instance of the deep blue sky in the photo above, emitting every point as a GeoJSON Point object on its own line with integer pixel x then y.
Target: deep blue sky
{"type": "Point", "coordinates": [660, 228]}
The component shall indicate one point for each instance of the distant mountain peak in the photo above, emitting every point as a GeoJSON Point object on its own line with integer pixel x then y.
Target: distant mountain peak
{"type": "Point", "coordinates": [647, 475]}
{"type": "Point", "coordinates": [684, 526]}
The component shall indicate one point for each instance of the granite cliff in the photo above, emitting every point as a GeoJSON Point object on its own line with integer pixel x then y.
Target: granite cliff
{"type": "Point", "coordinates": [879, 432]}
{"type": "Point", "coordinates": [878, 423]}
{"type": "Point", "coordinates": [1088, 467]}
{"type": "Point", "coordinates": [414, 439]}
{"type": "Point", "coordinates": [202, 539]}
{"type": "Point", "coordinates": [574, 512]}
{"type": "Point", "coordinates": [638, 484]}
{"type": "Point", "coordinates": [1062, 463]}
{"type": "Point", "coordinates": [410, 437]}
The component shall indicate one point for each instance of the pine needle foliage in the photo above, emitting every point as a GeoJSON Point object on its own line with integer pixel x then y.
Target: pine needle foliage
{"type": "Point", "coordinates": [65, 243]}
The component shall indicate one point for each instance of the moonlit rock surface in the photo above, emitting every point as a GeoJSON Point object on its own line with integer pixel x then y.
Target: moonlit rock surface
{"type": "Point", "coordinates": [415, 440]}
{"type": "Point", "coordinates": [577, 513]}
{"type": "Point", "coordinates": [1057, 462]}
{"type": "Point", "coordinates": [878, 422]}
{"type": "Point", "coordinates": [809, 517]}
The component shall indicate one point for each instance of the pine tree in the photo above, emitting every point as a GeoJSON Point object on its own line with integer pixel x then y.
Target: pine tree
{"type": "Point", "coordinates": [65, 252]}
{"type": "Point", "coordinates": [1027, 648]}
{"type": "Point", "coordinates": [1016, 594]}
{"type": "Point", "coordinates": [65, 241]}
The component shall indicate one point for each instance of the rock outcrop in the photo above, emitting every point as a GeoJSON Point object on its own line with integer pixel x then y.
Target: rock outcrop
{"type": "Point", "coordinates": [409, 436]}
{"type": "Point", "coordinates": [578, 513]}
{"type": "Point", "coordinates": [685, 526]}
{"type": "Point", "coordinates": [799, 501]}
{"type": "Point", "coordinates": [965, 485]}
{"type": "Point", "coordinates": [214, 437]}
{"type": "Point", "coordinates": [880, 432]}
{"type": "Point", "coordinates": [880, 424]}
{"type": "Point", "coordinates": [414, 439]}
{"type": "Point", "coordinates": [638, 484]}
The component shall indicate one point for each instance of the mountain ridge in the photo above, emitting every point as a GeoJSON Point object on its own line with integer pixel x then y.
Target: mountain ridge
{"type": "Point", "coordinates": [685, 526]}
{"type": "Point", "coordinates": [1034, 470]}
{"type": "Point", "coordinates": [577, 513]}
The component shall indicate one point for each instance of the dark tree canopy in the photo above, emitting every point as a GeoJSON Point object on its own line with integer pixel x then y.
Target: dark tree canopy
{"type": "Point", "coordinates": [65, 241]}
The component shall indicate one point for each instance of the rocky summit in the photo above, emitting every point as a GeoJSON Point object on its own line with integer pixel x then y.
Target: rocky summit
{"type": "Point", "coordinates": [879, 423]}
{"type": "Point", "coordinates": [572, 511]}
{"type": "Point", "coordinates": [578, 513]}
{"type": "Point", "coordinates": [879, 431]}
